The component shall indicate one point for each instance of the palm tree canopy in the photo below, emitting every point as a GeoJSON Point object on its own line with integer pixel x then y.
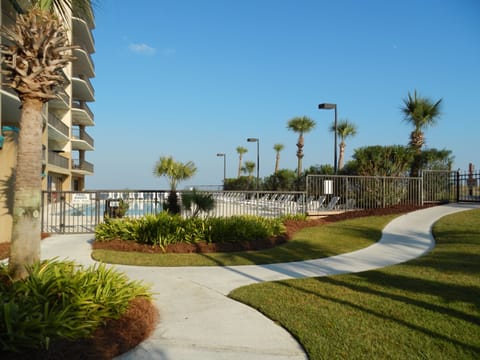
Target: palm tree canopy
{"type": "Point", "coordinates": [420, 111]}
{"type": "Point", "coordinates": [345, 129]}
{"type": "Point", "coordinates": [81, 8]}
{"type": "Point", "coordinates": [175, 171]}
{"type": "Point", "coordinates": [278, 147]}
{"type": "Point", "coordinates": [301, 125]}
{"type": "Point", "coordinates": [241, 150]}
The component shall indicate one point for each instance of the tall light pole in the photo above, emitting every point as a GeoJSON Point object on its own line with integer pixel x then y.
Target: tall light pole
{"type": "Point", "coordinates": [326, 106]}
{"type": "Point", "coordinates": [224, 167]}
{"type": "Point", "coordinates": [258, 157]}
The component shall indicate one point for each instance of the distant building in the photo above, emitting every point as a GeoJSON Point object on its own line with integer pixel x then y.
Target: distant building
{"type": "Point", "coordinates": [66, 141]}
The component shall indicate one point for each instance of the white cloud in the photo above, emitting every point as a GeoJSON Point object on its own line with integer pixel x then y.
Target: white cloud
{"type": "Point", "coordinates": [142, 49]}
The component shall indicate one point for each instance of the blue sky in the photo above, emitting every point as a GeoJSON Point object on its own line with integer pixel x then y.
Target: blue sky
{"type": "Point", "coordinates": [191, 79]}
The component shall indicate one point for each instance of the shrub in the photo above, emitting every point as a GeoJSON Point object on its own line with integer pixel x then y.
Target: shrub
{"type": "Point", "coordinates": [61, 301]}
{"type": "Point", "coordinates": [164, 229]}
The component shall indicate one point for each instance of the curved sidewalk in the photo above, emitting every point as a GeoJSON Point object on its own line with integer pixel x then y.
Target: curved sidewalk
{"type": "Point", "coordinates": [198, 321]}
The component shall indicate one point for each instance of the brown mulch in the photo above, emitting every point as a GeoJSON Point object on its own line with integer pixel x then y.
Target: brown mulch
{"type": "Point", "coordinates": [114, 338]}
{"type": "Point", "coordinates": [119, 336]}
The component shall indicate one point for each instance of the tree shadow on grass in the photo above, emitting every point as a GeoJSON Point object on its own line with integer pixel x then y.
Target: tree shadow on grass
{"type": "Point", "coordinates": [344, 301]}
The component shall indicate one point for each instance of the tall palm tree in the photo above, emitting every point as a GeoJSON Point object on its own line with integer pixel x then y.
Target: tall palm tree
{"type": "Point", "coordinates": [277, 148]}
{"type": "Point", "coordinates": [175, 172]}
{"type": "Point", "coordinates": [300, 125]}
{"type": "Point", "coordinates": [34, 58]}
{"type": "Point", "coordinates": [345, 129]}
{"type": "Point", "coordinates": [421, 112]}
{"type": "Point", "coordinates": [240, 151]}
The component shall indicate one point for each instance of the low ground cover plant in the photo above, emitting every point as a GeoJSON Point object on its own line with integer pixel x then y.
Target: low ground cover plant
{"type": "Point", "coordinates": [164, 229]}
{"type": "Point", "coordinates": [60, 302]}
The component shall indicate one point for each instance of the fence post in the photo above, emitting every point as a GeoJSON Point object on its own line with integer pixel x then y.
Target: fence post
{"type": "Point", "coordinates": [458, 185]}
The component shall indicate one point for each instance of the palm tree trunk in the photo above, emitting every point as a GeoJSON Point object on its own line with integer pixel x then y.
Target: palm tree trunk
{"type": "Point", "coordinates": [277, 162]}
{"type": "Point", "coordinates": [300, 144]}
{"type": "Point", "coordinates": [25, 246]}
{"type": "Point", "coordinates": [341, 155]}
{"type": "Point", "coordinates": [239, 166]}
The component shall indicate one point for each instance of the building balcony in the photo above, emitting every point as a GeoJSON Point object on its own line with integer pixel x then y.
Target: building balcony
{"type": "Point", "coordinates": [57, 130]}
{"type": "Point", "coordinates": [60, 162]}
{"type": "Point", "coordinates": [81, 114]}
{"type": "Point", "coordinates": [83, 63]}
{"type": "Point", "coordinates": [82, 34]}
{"type": "Point", "coordinates": [81, 140]}
{"type": "Point", "coordinates": [82, 88]}
{"type": "Point", "coordinates": [82, 167]}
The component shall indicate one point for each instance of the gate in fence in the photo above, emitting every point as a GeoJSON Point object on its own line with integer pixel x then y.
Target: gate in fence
{"type": "Point", "coordinates": [448, 186]}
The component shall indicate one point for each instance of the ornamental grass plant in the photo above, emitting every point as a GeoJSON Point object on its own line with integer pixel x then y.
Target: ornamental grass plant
{"type": "Point", "coordinates": [60, 301]}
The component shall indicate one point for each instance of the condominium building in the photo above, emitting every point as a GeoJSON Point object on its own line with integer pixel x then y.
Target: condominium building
{"type": "Point", "coordinates": [66, 120]}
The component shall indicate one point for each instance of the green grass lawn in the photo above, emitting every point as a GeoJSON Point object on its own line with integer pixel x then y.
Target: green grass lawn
{"type": "Point", "coordinates": [428, 308]}
{"type": "Point", "coordinates": [309, 243]}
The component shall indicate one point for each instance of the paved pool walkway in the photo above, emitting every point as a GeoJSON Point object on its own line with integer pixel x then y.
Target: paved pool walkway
{"type": "Point", "coordinates": [197, 319]}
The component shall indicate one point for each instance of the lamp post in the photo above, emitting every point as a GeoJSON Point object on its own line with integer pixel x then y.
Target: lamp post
{"type": "Point", "coordinates": [258, 157]}
{"type": "Point", "coordinates": [224, 167]}
{"type": "Point", "coordinates": [326, 106]}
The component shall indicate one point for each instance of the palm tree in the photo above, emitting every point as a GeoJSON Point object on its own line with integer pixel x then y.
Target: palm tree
{"type": "Point", "coordinates": [421, 112]}
{"type": "Point", "coordinates": [240, 151]}
{"type": "Point", "coordinates": [344, 129]}
{"type": "Point", "coordinates": [34, 58]}
{"type": "Point", "coordinates": [175, 172]}
{"type": "Point", "coordinates": [277, 148]}
{"type": "Point", "coordinates": [300, 125]}
{"type": "Point", "coordinates": [249, 168]}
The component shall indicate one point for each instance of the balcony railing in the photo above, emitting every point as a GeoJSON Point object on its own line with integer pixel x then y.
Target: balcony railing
{"type": "Point", "coordinates": [82, 165]}
{"type": "Point", "coordinates": [83, 106]}
{"type": "Point", "coordinates": [81, 134]}
{"type": "Point", "coordinates": [57, 160]}
{"type": "Point", "coordinates": [57, 124]}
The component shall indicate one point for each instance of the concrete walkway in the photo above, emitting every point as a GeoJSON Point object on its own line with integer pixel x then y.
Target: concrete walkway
{"type": "Point", "coordinates": [198, 321]}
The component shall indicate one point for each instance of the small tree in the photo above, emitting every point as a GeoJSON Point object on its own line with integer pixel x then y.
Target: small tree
{"type": "Point", "coordinates": [345, 129]}
{"type": "Point", "coordinates": [175, 172]}
{"type": "Point", "coordinates": [277, 148]}
{"type": "Point", "coordinates": [300, 125]}
{"type": "Point", "coordinates": [240, 151]}
{"type": "Point", "coordinates": [249, 168]}
{"type": "Point", "coordinates": [196, 202]}
{"type": "Point", "coordinates": [421, 112]}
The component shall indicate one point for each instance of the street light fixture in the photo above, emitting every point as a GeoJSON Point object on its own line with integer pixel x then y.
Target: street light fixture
{"type": "Point", "coordinates": [224, 167]}
{"type": "Point", "coordinates": [326, 106]}
{"type": "Point", "coordinates": [258, 157]}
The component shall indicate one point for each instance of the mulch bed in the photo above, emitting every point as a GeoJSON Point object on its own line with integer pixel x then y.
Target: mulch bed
{"type": "Point", "coordinates": [259, 244]}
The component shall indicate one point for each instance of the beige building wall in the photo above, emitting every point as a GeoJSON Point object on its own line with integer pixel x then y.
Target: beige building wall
{"type": "Point", "coordinates": [8, 155]}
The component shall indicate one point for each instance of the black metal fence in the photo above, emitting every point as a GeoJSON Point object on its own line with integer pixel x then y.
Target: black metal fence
{"type": "Point", "coordinates": [80, 212]}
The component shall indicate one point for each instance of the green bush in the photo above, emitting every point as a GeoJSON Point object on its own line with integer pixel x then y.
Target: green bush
{"type": "Point", "coordinates": [164, 229]}
{"type": "Point", "coordinates": [60, 300]}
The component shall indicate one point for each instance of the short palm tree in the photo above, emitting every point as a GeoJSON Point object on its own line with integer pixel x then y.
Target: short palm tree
{"type": "Point", "coordinates": [277, 148]}
{"type": "Point", "coordinates": [33, 59]}
{"type": "Point", "coordinates": [175, 172]}
{"type": "Point", "coordinates": [344, 129]}
{"type": "Point", "coordinates": [300, 125]}
{"type": "Point", "coordinates": [421, 112]}
{"type": "Point", "coordinates": [249, 168]}
{"type": "Point", "coordinates": [240, 151]}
